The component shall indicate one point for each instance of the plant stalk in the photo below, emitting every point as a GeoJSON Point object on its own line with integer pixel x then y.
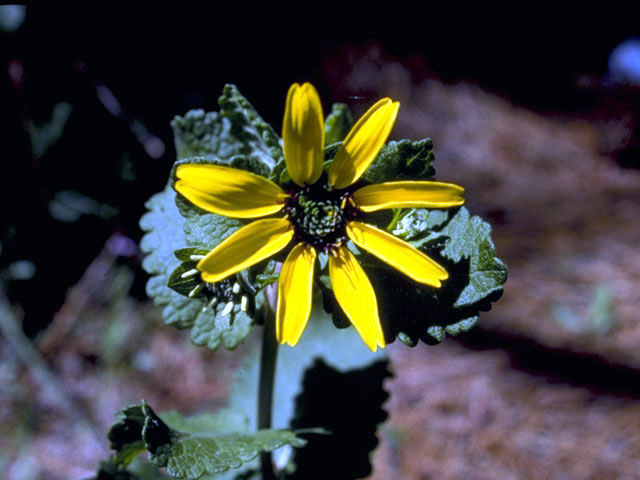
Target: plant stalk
{"type": "Point", "coordinates": [268, 360]}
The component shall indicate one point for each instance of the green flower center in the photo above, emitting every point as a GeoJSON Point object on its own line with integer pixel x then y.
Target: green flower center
{"type": "Point", "coordinates": [319, 216]}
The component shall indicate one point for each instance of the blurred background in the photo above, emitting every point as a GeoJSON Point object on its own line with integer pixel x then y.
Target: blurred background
{"type": "Point", "coordinates": [540, 122]}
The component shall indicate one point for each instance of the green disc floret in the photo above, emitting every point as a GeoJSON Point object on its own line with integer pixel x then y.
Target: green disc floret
{"type": "Point", "coordinates": [319, 216]}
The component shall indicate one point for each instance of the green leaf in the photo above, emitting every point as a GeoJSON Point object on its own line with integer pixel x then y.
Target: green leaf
{"type": "Point", "coordinates": [471, 239]}
{"type": "Point", "coordinates": [187, 254]}
{"type": "Point", "coordinates": [207, 230]}
{"type": "Point", "coordinates": [463, 245]}
{"type": "Point", "coordinates": [257, 136]}
{"type": "Point", "coordinates": [237, 130]}
{"type": "Point", "coordinates": [350, 406]}
{"type": "Point", "coordinates": [267, 274]}
{"type": "Point", "coordinates": [165, 235]}
{"type": "Point", "coordinates": [344, 354]}
{"type": "Point", "coordinates": [418, 225]}
{"type": "Point", "coordinates": [404, 159]}
{"type": "Point", "coordinates": [341, 349]}
{"type": "Point", "coordinates": [193, 455]}
{"type": "Point", "coordinates": [280, 174]}
{"type": "Point", "coordinates": [411, 311]}
{"type": "Point", "coordinates": [466, 238]}
{"type": "Point", "coordinates": [237, 137]}
{"type": "Point", "coordinates": [164, 226]}
{"type": "Point", "coordinates": [125, 436]}
{"type": "Point", "coordinates": [191, 285]}
{"type": "Point", "coordinates": [192, 447]}
{"type": "Point", "coordinates": [203, 134]}
{"type": "Point", "coordinates": [337, 124]}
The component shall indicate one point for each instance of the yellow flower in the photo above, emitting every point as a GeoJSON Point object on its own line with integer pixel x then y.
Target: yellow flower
{"type": "Point", "coordinates": [321, 214]}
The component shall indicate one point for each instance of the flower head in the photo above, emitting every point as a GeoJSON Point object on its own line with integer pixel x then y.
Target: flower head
{"type": "Point", "coordinates": [322, 213]}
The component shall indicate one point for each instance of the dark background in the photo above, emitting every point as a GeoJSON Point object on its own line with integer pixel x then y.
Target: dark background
{"type": "Point", "coordinates": [126, 71]}
{"type": "Point", "coordinates": [162, 62]}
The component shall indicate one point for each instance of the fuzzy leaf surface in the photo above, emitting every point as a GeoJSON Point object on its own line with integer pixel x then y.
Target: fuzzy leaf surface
{"type": "Point", "coordinates": [462, 244]}
{"type": "Point", "coordinates": [402, 160]}
{"type": "Point", "coordinates": [237, 129]}
{"type": "Point", "coordinates": [344, 360]}
{"type": "Point", "coordinates": [410, 311]}
{"type": "Point", "coordinates": [191, 447]}
{"type": "Point", "coordinates": [237, 137]}
{"type": "Point", "coordinates": [167, 232]}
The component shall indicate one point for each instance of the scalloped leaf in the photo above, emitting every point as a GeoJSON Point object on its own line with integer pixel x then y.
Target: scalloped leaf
{"type": "Point", "coordinates": [258, 137]}
{"type": "Point", "coordinates": [470, 238]}
{"type": "Point", "coordinates": [411, 311]}
{"type": "Point", "coordinates": [238, 137]}
{"type": "Point", "coordinates": [404, 159]}
{"type": "Point", "coordinates": [191, 285]}
{"type": "Point", "coordinates": [203, 134]}
{"type": "Point", "coordinates": [236, 130]}
{"type": "Point", "coordinates": [353, 417]}
{"type": "Point", "coordinates": [462, 244]}
{"type": "Point", "coordinates": [191, 447]}
{"type": "Point", "coordinates": [165, 235]}
{"type": "Point", "coordinates": [344, 360]}
{"type": "Point", "coordinates": [341, 352]}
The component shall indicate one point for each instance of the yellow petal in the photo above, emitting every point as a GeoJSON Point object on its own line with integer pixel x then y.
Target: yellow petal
{"type": "Point", "coordinates": [397, 253]}
{"type": "Point", "coordinates": [228, 191]}
{"type": "Point", "coordinates": [409, 194]}
{"type": "Point", "coordinates": [363, 143]}
{"type": "Point", "coordinates": [303, 134]}
{"type": "Point", "coordinates": [356, 297]}
{"type": "Point", "coordinates": [294, 294]}
{"type": "Point", "coordinates": [245, 247]}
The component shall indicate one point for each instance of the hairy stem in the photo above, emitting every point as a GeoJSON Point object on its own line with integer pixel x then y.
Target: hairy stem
{"type": "Point", "coordinates": [268, 361]}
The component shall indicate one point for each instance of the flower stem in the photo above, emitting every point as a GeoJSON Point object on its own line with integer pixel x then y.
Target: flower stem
{"type": "Point", "coordinates": [268, 361]}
